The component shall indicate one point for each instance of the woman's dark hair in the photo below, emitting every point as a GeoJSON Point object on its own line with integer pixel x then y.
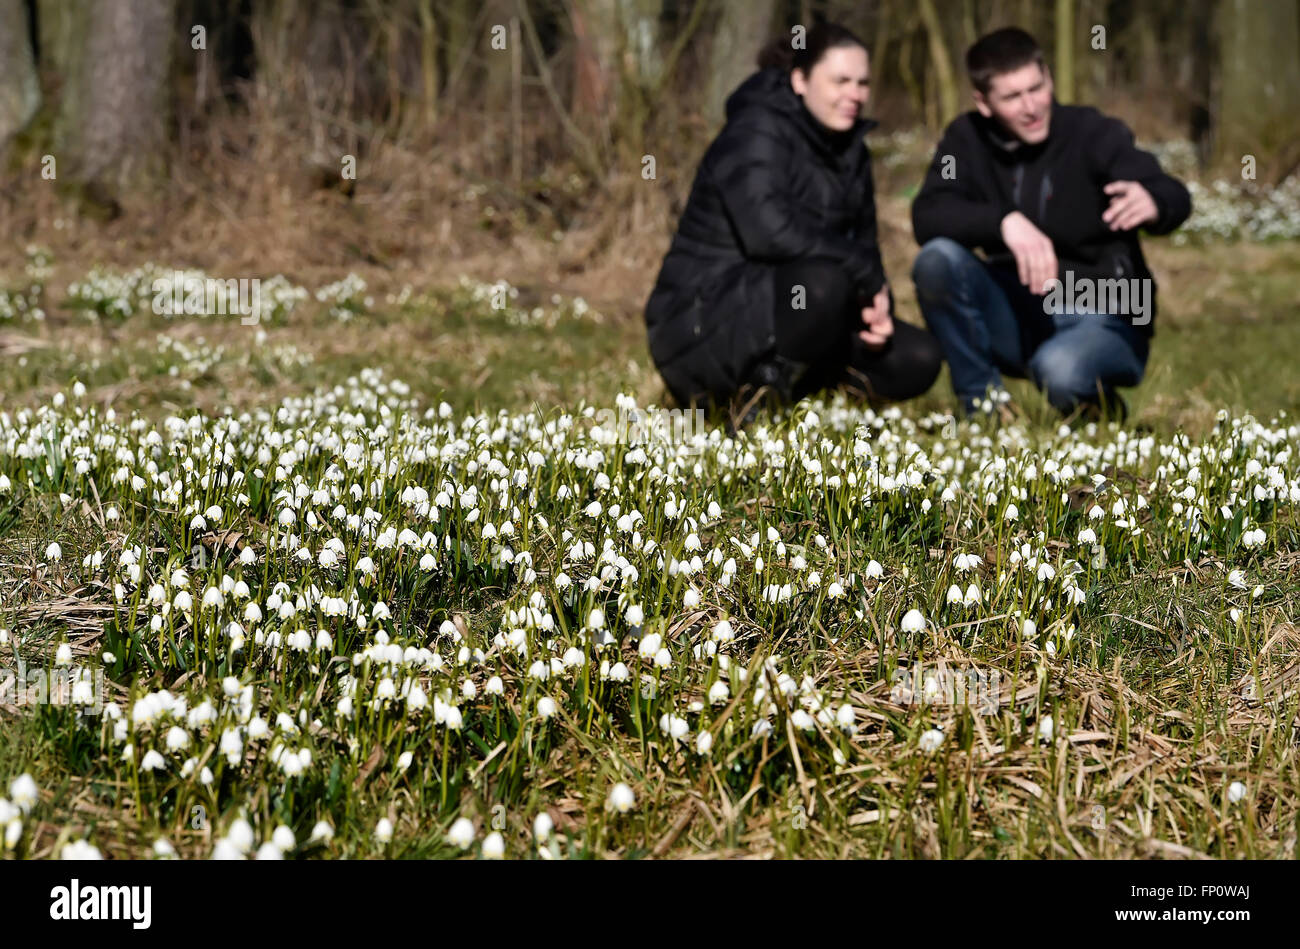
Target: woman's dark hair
{"type": "Point", "coordinates": [804, 51]}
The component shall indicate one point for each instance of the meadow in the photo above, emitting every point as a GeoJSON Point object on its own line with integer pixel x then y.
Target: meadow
{"type": "Point", "coordinates": [398, 572]}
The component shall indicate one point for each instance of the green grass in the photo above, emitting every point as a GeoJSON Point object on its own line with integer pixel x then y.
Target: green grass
{"type": "Point", "coordinates": [1146, 695]}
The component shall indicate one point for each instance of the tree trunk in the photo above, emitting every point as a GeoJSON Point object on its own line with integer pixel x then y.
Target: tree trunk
{"type": "Point", "coordinates": [114, 114]}
{"type": "Point", "coordinates": [945, 81]}
{"type": "Point", "coordinates": [1260, 91]}
{"type": "Point", "coordinates": [1063, 80]}
{"type": "Point", "coordinates": [429, 62]}
{"type": "Point", "coordinates": [879, 51]}
{"type": "Point", "coordinates": [743, 28]}
{"type": "Point", "coordinates": [595, 38]}
{"type": "Point", "coordinates": [62, 30]}
{"type": "Point", "coordinates": [20, 90]}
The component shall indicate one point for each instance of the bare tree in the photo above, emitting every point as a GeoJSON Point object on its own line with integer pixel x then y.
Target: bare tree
{"type": "Point", "coordinates": [20, 91]}
{"type": "Point", "coordinates": [743, 28]}
{"type": "Point", "coordinates": [944, 76]}
{"type": "Point", "coordinates": [114, 112]}
{"type": "Point", "coordinates": [1260, 92]}
{"type": "Point", "coordinates": [1063, 74]}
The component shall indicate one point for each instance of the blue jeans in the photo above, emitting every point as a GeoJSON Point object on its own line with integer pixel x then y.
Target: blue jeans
{"type": "Point", "coordinates": [988, 324]}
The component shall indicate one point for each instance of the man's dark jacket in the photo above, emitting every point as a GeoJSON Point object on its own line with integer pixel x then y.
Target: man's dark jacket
{"type": "Point", "coordinates": [1056, 183]}
{"type": "Point", "coordinates": [774, 186]}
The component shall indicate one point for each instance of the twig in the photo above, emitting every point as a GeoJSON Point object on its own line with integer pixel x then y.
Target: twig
{"type": "Point", "coordinates": [586, 153]}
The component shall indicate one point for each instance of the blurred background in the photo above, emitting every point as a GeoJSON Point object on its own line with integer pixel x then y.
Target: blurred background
{"type": "Point", "coordinates": [551, 143]}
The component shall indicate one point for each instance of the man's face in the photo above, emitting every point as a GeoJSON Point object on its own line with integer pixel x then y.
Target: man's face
{"type": "Point", "coordinates": [1021, 102]}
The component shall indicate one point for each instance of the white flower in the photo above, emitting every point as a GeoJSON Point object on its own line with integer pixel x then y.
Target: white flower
{"type": "Point", "coordinates": [542, 826]}
{"type": "Point", "coordinates": [494, 846]}
{"type": "Point", "coordinates": [620, 799]}
{"type": "Point", "coordinates": [930, 740]}
{"type": "Point", "coordinates": [1046, 728]}
{"type": "Point", "coordinates": [461, 833]}
{"type": "Point", "coordinates": [24, 792]}
{"type": "Point", "coordinates": [322, 832]}
{"type": "Point", "coordinates": [223, 849]}
{"type": "Point", "coordinates": [703, 743]}
{"type": "Point", "coordinates": [546, 706]}
{"type": "Point", "coordinates": [1011, 513]}
{"type": "Point", "coordinates": [384, 830]}
{"type": "Point", "coordinates": [152, 760]}
{"type": "Point", "coordinates": [13, 831]}
{"type": "Point", "coordinates": [676, 728]}
{"type": "Point", "coordinates": [79, 850]}
{"type": "Point", "coordinates": [913, 621]}
{"type": "Point", "coordinates": [283, 839]}
{"type": "Point", "coordinates": [240, 835]}
{"type": "Point", "coordinates": [63, 655]}
{"type": "Point", "coordinates": [1236, 791]}
{"type": "Point", "coordinates": [54, 552]}
{"type": "Point", "coordinates": [845, 716]}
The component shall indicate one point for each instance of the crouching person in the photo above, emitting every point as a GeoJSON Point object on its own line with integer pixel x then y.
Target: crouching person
{"type": "Point", "coordinates": [1054, 195]}
{"type": "Point", "coordinates": [773, 284]}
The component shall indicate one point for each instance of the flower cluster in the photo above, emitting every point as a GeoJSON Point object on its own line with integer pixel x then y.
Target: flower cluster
{"type": "Point", "coordinates": [296, 569]}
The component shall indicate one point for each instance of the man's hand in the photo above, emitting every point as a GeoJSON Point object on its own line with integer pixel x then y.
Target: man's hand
{"type": "Point", "coordinates": [1035, 255]}
{"type": "Point", "coordinates": [879, 323]}
{"type": "Point", "coordinates": [1131, 205]}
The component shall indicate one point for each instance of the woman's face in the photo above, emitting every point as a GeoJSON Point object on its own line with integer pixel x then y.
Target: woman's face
{"type": "Point", "coordinates": [837, 87]}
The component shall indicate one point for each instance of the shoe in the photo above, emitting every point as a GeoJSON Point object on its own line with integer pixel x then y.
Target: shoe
{"type": "Point", "coordinates": [1113, 409]}
{"type": "Point", "coordinates": [771, 384]}
{"type": "Point", "coordinates": [996, 404]}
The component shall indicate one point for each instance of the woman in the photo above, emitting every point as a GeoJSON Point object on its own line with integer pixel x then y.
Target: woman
{"type": "Point", "coordinates": [774, 278]}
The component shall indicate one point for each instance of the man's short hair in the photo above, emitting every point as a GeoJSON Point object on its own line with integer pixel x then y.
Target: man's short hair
{"type": "Point", "coordinates": [999, 52]}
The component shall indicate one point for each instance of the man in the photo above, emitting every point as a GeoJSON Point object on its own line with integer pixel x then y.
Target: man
{"type": "Point", "coordinates": [1054, 195]}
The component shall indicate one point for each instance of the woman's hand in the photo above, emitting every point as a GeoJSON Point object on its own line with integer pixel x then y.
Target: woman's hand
{"type": "Point", "coordinates": [879, 323]}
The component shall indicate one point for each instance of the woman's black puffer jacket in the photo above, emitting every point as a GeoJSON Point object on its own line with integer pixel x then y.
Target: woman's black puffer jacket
{"type": "Point", "coordinates": [774, 186]}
